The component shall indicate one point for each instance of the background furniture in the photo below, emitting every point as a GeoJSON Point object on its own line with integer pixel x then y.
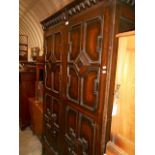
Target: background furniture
{"type": "Point", "coordinates": [27, 77]}
{"type": "Point", "coordinates": [80, 63]}
{"type": "Point", "coordinates": [35, 53]}
{"type": "Point", "coordinates": [23, 47]}
{"type": "Point", "coordinates": [39, 81]}
{"type": "Point", "coordinates": [123, 120]}
{"type": "Point", "coordinates": [36, 103]}
{"type": "Point", "coordinates": [36, 114]}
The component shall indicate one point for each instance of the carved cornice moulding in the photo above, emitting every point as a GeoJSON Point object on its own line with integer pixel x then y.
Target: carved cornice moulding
{"type": "Point", "coordinates": [74, 8]}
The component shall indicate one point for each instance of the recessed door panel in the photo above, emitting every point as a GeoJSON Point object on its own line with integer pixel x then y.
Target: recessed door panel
{"type": "Point", "coordinates": [71, 118]}
{"type": "Point", "coordinates": [56, 112]}
{"type": "Point", "coordinates": [73, 84]}
{"type": "Point", "coordinates": [57, 45]}
{"type": "Point", "coordinates": [89, 89]}
{"type": "Point", "coordinates": [49, 47]}
{"type": "Point", "coordinates": [56, 77]}
{"type": "Point", "coordinates": [48, 76]}
{"type": "Point", "coordinates": [48, 104]}
{"type": "Point", "coordinates": [86, 136]}
{"type": "Point", "coordinates": [75, 41]}
{"type": "Point", "coordinates": [93, 38]}
{"type": "Point", "coordinates": [55, 125]}
{"type": "Point", "coordinates": [56, 62]}
{"type": "Point", "coordinates": [47, 117]}
{"type": "Point", "coordinates": [52, 122]}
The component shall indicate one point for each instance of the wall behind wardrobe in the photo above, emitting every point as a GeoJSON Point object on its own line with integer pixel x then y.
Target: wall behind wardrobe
{"type": "Point", "coordinates": [31, 12]}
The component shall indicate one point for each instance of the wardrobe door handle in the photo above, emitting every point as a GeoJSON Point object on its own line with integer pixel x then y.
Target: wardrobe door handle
{"type": "Point", "coordinates": [95, 87]}
{"type": "Point", "coordinates": [99, 43]}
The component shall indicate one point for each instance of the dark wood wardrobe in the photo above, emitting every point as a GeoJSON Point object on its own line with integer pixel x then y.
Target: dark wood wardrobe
{"type": "Point", "coordinates": [80, 63]}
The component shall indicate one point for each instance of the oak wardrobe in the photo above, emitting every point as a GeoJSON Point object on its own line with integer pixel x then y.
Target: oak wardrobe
{"type": "Point", "coordinates": [80, 62]}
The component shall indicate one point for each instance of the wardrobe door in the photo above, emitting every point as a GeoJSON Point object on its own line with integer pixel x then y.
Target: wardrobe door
{"type": "Point", "coordinates": [83, 69]}
{"type": "Point", "coordinates": [79, 73]}
{"type": "Point", "coordinates": [123, 119]}
{"type": "Point", "coordinates": [53, 74]}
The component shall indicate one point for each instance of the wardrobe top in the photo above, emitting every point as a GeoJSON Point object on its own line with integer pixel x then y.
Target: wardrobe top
{"type": "Point", "coordinates": [78, 6]}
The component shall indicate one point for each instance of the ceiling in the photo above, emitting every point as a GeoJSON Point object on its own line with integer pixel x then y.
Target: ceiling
{"type": "Point", "coordinates": [31, 12]}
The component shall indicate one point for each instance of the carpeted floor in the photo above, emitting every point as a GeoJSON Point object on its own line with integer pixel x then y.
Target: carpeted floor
{"type": "Point", "coordinates": [29, 144]}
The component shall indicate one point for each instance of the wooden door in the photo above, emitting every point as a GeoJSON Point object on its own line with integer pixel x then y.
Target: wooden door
{"type": "Point", "coordinates": [82, 83]}
{"type": "Point", "coordinates": [53, 90]}
{"type": "Point", "coordinates": [123, 120]}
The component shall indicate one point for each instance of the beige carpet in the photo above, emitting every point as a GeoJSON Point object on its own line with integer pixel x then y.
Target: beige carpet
{"type": "Point", "coordinates": [29, 144]}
